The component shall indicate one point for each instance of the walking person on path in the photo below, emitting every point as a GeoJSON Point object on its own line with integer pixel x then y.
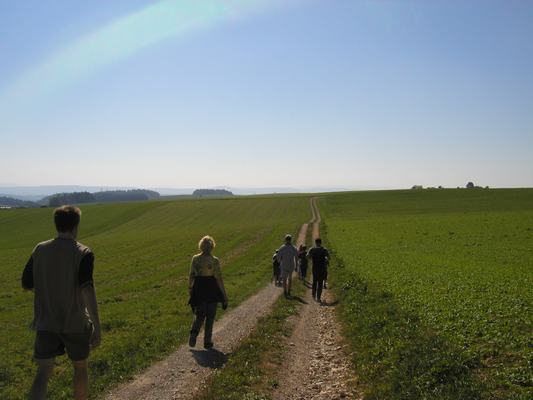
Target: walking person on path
{"type": "Point", "coordinates": [206, 290]}
{"type": "Point", "coordinates": [276, 269]}
{"type": "Point", "coordinates": [320, 256]}
{"type": "Point", "coordinates": [288, 258]}
{"type": "Point", "coordinates": [60, 273]}
{"type": "Point", "coordinates": [302, 261]}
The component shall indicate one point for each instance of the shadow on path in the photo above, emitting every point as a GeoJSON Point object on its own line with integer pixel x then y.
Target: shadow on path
{"type": "Point", "coordinates": [330, 304]}
{"type": "Point", "coordinates": [211, 358]}
{"type": "Point", "coordinates": [299, 299]}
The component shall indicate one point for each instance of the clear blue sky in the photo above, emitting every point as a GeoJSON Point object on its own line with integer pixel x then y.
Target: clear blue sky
{"type": "Point", "coordinates": [183, 93]}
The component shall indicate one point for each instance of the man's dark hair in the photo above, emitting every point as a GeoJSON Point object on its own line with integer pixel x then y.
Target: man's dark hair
{"type": "Point", "coordinates": [318, 241]}
{"type": "Point", "coordinates": [67, 218]}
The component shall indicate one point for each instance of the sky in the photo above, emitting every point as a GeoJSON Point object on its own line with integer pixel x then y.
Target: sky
{"type": "Point", "coordinates": [261, 93]}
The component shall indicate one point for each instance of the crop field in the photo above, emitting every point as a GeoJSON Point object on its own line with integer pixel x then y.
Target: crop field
{"type": "Point", "coordinates": [142, 255]}
{"type": "Point", "coordinates": [436, 289]}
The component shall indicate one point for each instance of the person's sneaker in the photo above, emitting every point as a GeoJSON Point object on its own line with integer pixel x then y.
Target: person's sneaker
{"type": "Point", "coordinates": [192, 341]}
{"type": "Point", "coordinates": [208, 345]}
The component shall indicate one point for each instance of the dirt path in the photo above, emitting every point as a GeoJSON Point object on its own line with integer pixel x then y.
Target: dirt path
{"type": "Point", "coordinates": [316, 366]}
{"type": "Point", "coordinates": [182, 374]}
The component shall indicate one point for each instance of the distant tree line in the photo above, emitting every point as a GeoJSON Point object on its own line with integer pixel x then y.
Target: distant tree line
{"type": "Point", "coordinates": [125, 195]}
{"type": "Point", "coordinates": [110, 196]}
{"type": "Point", "coordinates": [11, 202]}
{"type": "Point", "coordinates": [211, 192]}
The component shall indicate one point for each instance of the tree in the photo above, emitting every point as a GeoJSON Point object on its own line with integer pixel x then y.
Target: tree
{"type": "Point", "coordinates": [470, 185]}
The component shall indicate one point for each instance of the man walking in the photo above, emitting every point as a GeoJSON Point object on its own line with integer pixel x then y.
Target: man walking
{"type": "Point", "coordinates": [60, 272]}
{"type": "Point", "coordinates": [320, 257]}
{"type": "Point", "coordinates": [288, 258]}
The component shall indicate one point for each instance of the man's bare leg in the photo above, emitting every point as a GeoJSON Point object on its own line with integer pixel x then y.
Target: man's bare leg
{"type": "Point", "coordinates": [81, 380]}
{"type": "Point", "coordinates": [45, 367]}
{"type": "Point", "coordinates": [287, 281]}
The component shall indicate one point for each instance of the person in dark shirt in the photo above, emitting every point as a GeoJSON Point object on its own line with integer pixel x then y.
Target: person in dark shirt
{"type": "Point", "coordinates": [60, 273]}
{"type": "Point", "coordinates": [276, 269]}
{"type": "Point", "coordinates": [320, 257]}
{"type": "Point", "coordinates": [302, 261]}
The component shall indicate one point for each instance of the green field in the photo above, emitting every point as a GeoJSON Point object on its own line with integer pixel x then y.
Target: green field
{"type": "Point", "coordinates": [436, 289]}
{"type": "Point", "coordinates": [435, 286]}
{"type": "Point", "coordinates": [142, 254]}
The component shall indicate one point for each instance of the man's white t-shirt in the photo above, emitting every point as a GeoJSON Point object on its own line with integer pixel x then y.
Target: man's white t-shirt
{"type": "Point", "coordinates": [288, 256]}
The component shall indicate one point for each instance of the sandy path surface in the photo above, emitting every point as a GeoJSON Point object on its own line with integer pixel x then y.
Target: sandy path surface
{"type": "Point", "coordinates": [316, 365]}
{"type": "Point", "coordinates": [182, 374]}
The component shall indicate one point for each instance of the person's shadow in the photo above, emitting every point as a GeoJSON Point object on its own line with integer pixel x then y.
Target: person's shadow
{"type": "Point", "coordinates": [329, 304]}
{"type": "Point", "coordinates": [299, 299]}
{"type": "Point", "coordinates": [211, 358]}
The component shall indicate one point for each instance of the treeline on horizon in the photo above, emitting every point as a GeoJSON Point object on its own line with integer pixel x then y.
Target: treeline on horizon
{"type": "Point", "coordinates": [11, 202]}
{"type": "Point", "coordinates": [108, 196]}
{"type": "Point", "coordinates": [60, 199]}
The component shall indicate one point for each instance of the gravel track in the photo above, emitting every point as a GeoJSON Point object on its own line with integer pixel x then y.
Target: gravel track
{"type": "Point", "coordinates": [316, 366]}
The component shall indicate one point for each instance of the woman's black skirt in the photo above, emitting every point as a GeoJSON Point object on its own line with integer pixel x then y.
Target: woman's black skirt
{"type": "Point", "coordinates": [205, 290]}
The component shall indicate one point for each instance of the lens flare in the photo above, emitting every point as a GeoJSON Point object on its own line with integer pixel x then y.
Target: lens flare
{"type": "Point", "coordinates": [126, 36]}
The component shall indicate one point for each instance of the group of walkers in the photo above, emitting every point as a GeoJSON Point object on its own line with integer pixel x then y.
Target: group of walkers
{"type": "Point", "coordinates": [288, 259]}
{"type": "Point", "coordinates": [66, 318]}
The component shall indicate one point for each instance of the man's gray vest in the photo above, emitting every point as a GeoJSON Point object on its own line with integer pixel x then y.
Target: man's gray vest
{"type": "Point", "coordinates": [58, 306]}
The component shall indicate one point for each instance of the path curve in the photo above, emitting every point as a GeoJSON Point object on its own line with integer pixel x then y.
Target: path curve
{"type": "Point", "coordinates": [185, 372]}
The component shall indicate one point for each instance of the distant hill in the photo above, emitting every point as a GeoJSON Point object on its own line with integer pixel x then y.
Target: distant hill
{"type": "Point", "coordinates": [11, 202]}
{"type": "Point", "coordinates": [109, 196]}
{"type": "Point", "coordinates": [211, 192]}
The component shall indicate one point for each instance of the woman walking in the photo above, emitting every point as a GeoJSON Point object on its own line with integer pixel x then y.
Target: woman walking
{"type": "Point", "coordinates": [206, 290]}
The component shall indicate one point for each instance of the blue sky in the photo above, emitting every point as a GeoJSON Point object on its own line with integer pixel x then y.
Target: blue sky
{"type": "Point", "coordinates": [182, 93]}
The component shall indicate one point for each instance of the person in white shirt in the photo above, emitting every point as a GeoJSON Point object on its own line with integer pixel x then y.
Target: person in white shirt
{"type": "Point", "coordinates": [288, 258]}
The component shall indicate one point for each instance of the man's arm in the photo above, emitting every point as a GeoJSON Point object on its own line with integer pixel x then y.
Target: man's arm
{"type": "Point", "coordinates": [88, 295]}
{"type": "Point", "coordinates": [27, 275]}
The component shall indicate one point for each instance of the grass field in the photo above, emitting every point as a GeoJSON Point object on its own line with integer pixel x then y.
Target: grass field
{"type": "Point", "coordinates": [436, 290]}
{"type": "Point", "coordinates": [142, 254]}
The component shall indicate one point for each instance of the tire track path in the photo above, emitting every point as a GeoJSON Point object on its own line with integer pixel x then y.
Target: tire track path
{"type": "Point", "coordinates": [185, 372]}
{"type": "Point", "coordinates": [316, 366]}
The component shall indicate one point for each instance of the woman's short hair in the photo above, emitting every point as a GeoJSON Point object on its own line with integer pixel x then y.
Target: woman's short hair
{"type": "Point", "coordinates": [206, 244]}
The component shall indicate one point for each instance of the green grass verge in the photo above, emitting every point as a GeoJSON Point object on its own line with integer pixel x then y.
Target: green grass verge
{"type": "Point", "coordinates": [396, 355]}
{"type": "Point", "coordinates": [251, 371]}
